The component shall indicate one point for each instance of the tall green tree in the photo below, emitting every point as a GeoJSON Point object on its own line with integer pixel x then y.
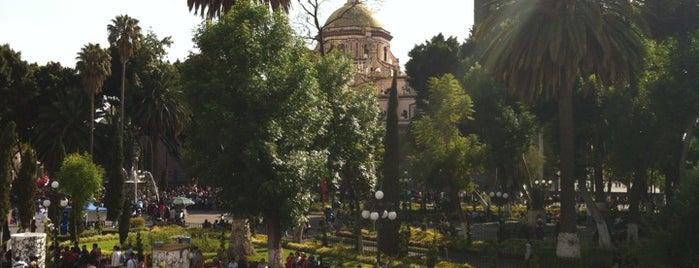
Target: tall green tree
{"type": "Point", "coordinates": [24, 187]}
{"type": "Point", "coordinates": [159, 110]}
{"type": "Point", "coordinates": [353, 146]}
{"type": "Point", "coordinates": [125, 35]}
{"type": "Point", "coordinates": [675, 21]}
{"type": "Point", "coordinates": [61, 127]}
{"type": "Point", "coordinates": [259, 114]}
{"type": "Point", "coordinates": [94, 66]}
{"type": "Point", "coordinates": [673, 231]}
{"type": "Point", "coordinates": [80, 178]}
{"type": "Point", "coordinates": [390, 184]}
{"type": "Point", "coordinates": [17, 90]}
{"type": "Point", "coordinates": [445, 158]}
{"type": "Point", "coordinates": [503, 124]}
{"type": "Point", "coordinates": [436, 57]}
{"type": "Point", "coordinates": [217, 8]}
{"type": "Point", "coordinates": [585, 38]}
{"type": "Point", "coordinates": [7, 141]}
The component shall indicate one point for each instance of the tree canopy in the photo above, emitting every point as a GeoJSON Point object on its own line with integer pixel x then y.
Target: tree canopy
{"type": "Point", "coordinates": [260, 111]}
{"type": "Point", "coordinates": [80, 178]}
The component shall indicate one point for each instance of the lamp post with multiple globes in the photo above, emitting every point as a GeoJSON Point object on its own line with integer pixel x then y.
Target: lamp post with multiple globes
{"type": "Point", "coordinates": [378, 212]}
{"type": "Point", "coordinates": [55, 221]}
{"type": "Point", "coordinates": [500, 199]}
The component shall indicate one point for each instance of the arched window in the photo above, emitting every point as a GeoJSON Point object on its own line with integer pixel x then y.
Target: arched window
{"type": "Point", "coordinates": [385, 53]}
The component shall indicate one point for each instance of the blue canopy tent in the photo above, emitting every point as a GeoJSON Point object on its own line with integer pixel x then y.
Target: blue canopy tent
{"type": "Point", "coordinates": [90, 213]}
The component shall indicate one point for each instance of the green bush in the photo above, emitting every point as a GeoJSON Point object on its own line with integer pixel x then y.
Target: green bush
{"type": "Point", "coordinates": [88, 233]}
{"type": "Point", "coordinates": [673, 233]}
{"type": "Point", "coordinates": [137, 222]}
{"type": "Point", "coordinates": [444, 264]}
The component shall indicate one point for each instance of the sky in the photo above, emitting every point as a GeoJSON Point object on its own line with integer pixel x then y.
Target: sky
{"type": "Point", "coordinates": [55, 30]}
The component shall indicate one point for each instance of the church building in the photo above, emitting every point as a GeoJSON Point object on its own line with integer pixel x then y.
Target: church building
{"type": "Point", "coordinates": [353, 29]}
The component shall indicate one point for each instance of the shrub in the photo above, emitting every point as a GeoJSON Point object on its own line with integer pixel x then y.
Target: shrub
{"type": "Point", "coordinates": [88, 233]}
{"type": "Point", "coordinates": [137, 222]}
{"type": "Point", "coordinates": [304, 247]}
{"type": "Point", "coordinates": [444, 264]}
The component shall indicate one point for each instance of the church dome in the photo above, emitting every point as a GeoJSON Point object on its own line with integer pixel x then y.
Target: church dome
{"type": "Point", "coordinates": [353, 13]}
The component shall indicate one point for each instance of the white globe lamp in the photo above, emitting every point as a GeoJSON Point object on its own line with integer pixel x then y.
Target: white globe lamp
{"type": "Point", "coordinates": [378, 195]}
{"type": "Point", "coordinates": [366, 214]}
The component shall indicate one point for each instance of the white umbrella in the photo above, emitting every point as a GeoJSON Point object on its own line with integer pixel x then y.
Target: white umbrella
{"type": "Point", "coordinates": [180, 200]}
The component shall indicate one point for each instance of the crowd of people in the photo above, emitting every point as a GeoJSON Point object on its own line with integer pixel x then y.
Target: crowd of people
{"type": "Point", "coordinates": [203, 197]}
{"type": "Point", "coordinates": [299, 260]}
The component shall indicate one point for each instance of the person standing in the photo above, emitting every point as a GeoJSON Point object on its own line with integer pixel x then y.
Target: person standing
{"type": "Point", "coordinates": [262, 264]}
{"type": "Point", "coordinates": [539, 228]}
{"type": "Point", "coordinates": [243, 262]}
{"type": "Point", "coordinates": [232, 263]}
{"type": "Point", "coordinates": [19, 263]}
{"type": "Point", "coordinates": [95, 254]}
{"type": "Point", "coordinates": [131, 263]}
{"type": "Point", "coordinates": [528, 252]}
{"type": "Point", "coordinates": [32, 225]}
{"type": "Point", "coordinates": [116, 257]}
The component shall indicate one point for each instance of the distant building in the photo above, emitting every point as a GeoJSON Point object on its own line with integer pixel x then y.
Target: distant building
{"type": "Point", "coordinates": [353, 29]}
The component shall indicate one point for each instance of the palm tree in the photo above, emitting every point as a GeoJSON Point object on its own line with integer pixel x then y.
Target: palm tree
{"type": "Point", "coordinates": [215, 8]}
{"type": "Point", "coordinates": [59, 128]}
{"type": "Point", "coordinates": [125, 34]}
{"type": "Point", "coordinates": [159, 110]}
{"type": "Point", "coordinates": [540, 48]}
{"type": "Point", "coordinates": [94, 66]}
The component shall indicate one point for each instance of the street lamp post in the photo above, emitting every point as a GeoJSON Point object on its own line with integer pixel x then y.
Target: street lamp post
{"type": "Point", "coordinates": [499, 198]}
{"type": "Point", "coordinates": [541, 190]}
{"type": "Point", "coordinates": [374, 216]}
{"type": "Point", "coordinates": [55, 222]}
{"type": "Point", "coordinates": [544, 184]}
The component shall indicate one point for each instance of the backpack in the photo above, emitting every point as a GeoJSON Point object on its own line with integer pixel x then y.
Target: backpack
{"type": "Point", "coordinates": [122, 259]}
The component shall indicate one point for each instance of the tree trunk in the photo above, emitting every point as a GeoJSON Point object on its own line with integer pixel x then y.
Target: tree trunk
{"type": "Point", "coordinates": [274, 241]}
{"type": "Point", "coordinates": [357, 226]}
{"type": "Point", "coordinates": [598, 175]}
{"type": "Point", "coordinates": [568, 245]}
{"type": "Point", "coordinates": [298, 231]}
{"type": "Point", "coordinates": [122, 101]}
{"type": "Point", "coordinates": [241, 239]}
{"type": "Point", "coordinates": [463, 221]}
{"type": "Point", "coordinates": [388, 241]}
{"type": "Point", "coordinates": [604, 240]}
{"type": "Point", "coordinates": [76, 225]}
{"type": "Point", "coordinates": [3, 219]}
{"type": "Point", "coordinates": [533, 214]}
{"type": "Point", "coordinates": [92, 124]}
{"type": "Point", "coordinates": [689, 130]}
{"type": "Point", "coordinates": [124, 223]}
{"type": "Point", "coordinates": [637, 191]}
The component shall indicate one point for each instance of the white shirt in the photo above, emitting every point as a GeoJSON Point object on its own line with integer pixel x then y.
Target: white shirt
{"type": "Point", "coordinates": [527, 251]}
{"type": "Point", "coordinates": [232, 264]}
{"type": "Point", "coordinates": [131, 263]}
{"type": "Point", "coordinates": [116, 258]}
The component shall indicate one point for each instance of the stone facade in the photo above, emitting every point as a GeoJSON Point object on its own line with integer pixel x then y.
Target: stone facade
{"type": "Point", "coordinates": [354, 30]}
{"type": "Point", "coordinates": [171, 256]}
{"type": "Point", "coordinates": [27, 245]}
